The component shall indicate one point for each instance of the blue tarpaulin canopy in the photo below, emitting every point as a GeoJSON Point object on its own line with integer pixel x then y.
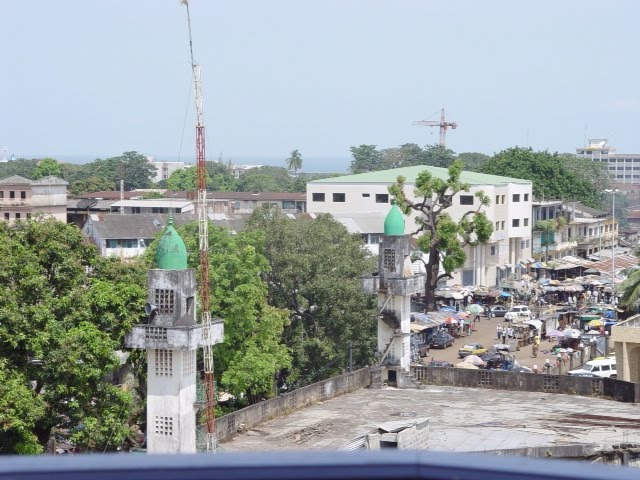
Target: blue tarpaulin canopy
{"type": "Point", "coordinates": [505, 294]}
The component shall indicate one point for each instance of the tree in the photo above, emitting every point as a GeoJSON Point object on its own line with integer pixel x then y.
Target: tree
{"type": "Point", "coordinates": [138, 172]}
{"type": "Point", "coordinates": [63, 313]}
{"type": "Point", "coordinates": [265, 179]}
{"type": "Point", "coordinates": [294, 162]}
{"type": "Point", "coordinates": [315, 275]}
{"type": "Point", "coordinates": [473, 161]}
{"type": "Point", "coordinates": [548, 229]}
{"type": "Point", "coordinates": [252, 352]}
{"type": "Point", "coordinates": [90, 185]}
{"type": "Point", "coordinates": [630, 289]}
{"type": "Point", "coordinates": [441, 236]}
{"type": "Point", "coordinates": [21, 167]}
{"type": "Point", "coordinates": [551, 176]}
{"type": "Point", "coordinates": [47, 167]}
{"type": "Point", "coordinates": [366, 158]}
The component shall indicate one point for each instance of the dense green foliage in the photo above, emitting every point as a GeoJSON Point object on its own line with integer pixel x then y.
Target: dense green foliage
{"type": "Point", "coordinates": [367, 158]}
{"type": "Point", "coordinates": [440, 236]}
{"type": "Point", "coordinates": [315, 275]}
{"type": "Point", "coordinates": [47, 167]}
{"type": "Point", "coordinates": [252, 352]}
{"type": "Point", "coordinates": [554, 176]}
{"type": "Point", "coordinates": [63, 313]}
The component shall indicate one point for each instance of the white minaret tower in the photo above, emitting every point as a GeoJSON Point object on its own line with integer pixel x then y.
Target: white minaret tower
{"type": "Point", "coordinates": [171, 339]}
{"type": "Point", "coordinates": [394, 285]}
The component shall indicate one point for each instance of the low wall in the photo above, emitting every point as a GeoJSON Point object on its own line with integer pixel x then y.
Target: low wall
{"type": "Point", "coordinates": [228, 425]}
{"type": "Point", "coordinates": [530, 382]}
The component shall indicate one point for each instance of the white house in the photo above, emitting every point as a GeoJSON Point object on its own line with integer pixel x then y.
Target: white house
{"type": "Point", "coordinates": [510, 212]}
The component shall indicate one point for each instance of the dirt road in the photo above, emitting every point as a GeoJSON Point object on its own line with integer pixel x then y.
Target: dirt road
{"type": "Point", "coordinates": [486, 335]}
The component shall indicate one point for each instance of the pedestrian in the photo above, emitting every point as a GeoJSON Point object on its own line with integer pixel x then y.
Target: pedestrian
{"type": "Point", "coordinates": [477, 318]}
{"type": "Point", "coordinates": [504, 335]}
{"type": "Point", "coordinates": [536, 346]}
{"type": "Point", "coordinates": [499, 331]}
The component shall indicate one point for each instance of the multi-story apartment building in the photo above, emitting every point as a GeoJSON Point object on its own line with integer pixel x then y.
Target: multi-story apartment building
{"type": "Point", "coordinates": [622, 167]}
{"type": "Point", "coordinates": [21, 198]}
{"type": "Point", "coordinates": [581, 232]}
{"type": "Point", "coordinates": [165, 169]}
{"type": "Point", "coordinates": [510, 212]}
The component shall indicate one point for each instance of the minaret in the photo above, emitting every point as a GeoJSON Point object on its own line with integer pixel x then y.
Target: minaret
{"type": "Point", "coordinates": [171, 338]}
{"type": "Point", "coordinates": [394, 285]}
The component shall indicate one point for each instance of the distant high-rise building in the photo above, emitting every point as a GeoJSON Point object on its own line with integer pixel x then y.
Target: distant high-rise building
{"type": "Point", "coordinates": [623, 167]}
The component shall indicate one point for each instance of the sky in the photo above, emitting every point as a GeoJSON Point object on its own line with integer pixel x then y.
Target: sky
{"type": "Point", "coordinates": [86, 79]}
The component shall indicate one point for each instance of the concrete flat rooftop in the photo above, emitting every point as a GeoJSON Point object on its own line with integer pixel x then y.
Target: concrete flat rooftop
{"type": "Point", "coordinates": [461, 420]}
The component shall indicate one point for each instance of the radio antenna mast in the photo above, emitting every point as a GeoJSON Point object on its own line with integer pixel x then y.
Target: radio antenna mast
{"type": "Point", "coordinates": [203, 226]}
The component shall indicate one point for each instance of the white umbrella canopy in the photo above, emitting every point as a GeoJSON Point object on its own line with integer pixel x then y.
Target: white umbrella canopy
{"type": "Point", "coordinates": [572, 333]}
{"type": "Point", "coordinates": [474, 308]}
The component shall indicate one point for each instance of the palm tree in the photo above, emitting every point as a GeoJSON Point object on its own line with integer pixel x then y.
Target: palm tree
{"type": "Point", "coordinates": [630, 290]}
{"type": "Point", "coordinates": [294, 162]}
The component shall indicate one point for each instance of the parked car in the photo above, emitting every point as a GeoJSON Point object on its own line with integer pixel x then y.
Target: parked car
{"type": "Point", "coordinates": [442, 340]}
{"type": "Point", "coordinates": [471, 349]}
{"type": "Point", "coordinates": [495, 311]}
{"type": "Point", "coordinates": [518, 313]}
{"type": "Point", "coordinates": [597, 368]}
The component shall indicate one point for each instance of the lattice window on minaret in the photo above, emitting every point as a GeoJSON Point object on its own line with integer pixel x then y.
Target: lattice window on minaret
{"type": "Point", "coordinates": [164, 363]}
{"type": "Point", "coordinates": [389, 259]}
{"type": "Point", "coordinates": [189, 362]}
{"type": "Point", "coordinates": [164, 300]}
{"type": "Point", "coordinates": [155, 333]}
{"type": "Point", "coordinates": [164, 426]}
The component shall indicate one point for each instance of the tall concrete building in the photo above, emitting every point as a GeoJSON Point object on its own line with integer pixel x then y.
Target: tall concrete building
{"type": "Point", "coordinates": [622, 167]}
{"type": "Point", "coordinates": [394, 284]}
{"type": "Point", "coordinates": [171, 338]}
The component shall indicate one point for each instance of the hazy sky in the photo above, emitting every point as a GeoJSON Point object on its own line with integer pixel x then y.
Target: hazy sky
{"type": "Point", "coordinates": [97, 78]}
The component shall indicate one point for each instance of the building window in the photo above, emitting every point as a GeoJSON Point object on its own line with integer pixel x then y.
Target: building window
{"type": "Point", "coordinates": [189, 362]}
{"type": "Point", "coordinates": [515, 222]}
{"type": "Point", "coordinates": [497, 225]}
{"type": "Point", "coordinates": [528, 243]}
{"type": "Point", "coordinates": [497, 199]}
{"type": "Point", "coordinates": [493, 249]}
{"type": "Point", "coordinates": [7, 216]}
{"type": "Point", "coordinates": [389, 259]}
{"type": "Point", "coordinates": [164, 426]}
{"type": "Point", "coordinates": [28, 215]}
{"type": "Point", "coordinates": [317, 197]}
{"type": "Point", "coordinates": [164, 300]}
{"type": "Point", "coordinates": [339, 197]}
{"type": "Point", "coordinates": [12, 194]}
{"type": "Point", "coordinates": [382, 198]}
{"type": "Point", "coordinates": [522, 247]}
{"type": "Point", "coordinates": [157, 210]}
{"type": "Point", "coordinates": [526, 197]}
{"type": "Point", "coordinates": [525, 222]}
{"type": "Point", "coordinates": [366, 195]}
{"type": "Point", "coordinates": [17, 216]}
{"type": "Point", "coordinates": [503, 199]}
{"type": "Point", "coordinates": [502, 225]}
{"type": "Point", "coordinates": [2, 194]}
{"type": "Point", "coordinates": [164, 363]}
{"type": "Point", "coordinates": [466, 199]}
{"type": "Point", "coordinates": [516, 197]}
{"type": "Point", "coordinates": [135, 210]}
{"type": "Point", "coordinates": [155, 333]}
{"type": "Point", "coordinates": [23, 195]}
{"type": "Point", "coordinates": [374, 238]}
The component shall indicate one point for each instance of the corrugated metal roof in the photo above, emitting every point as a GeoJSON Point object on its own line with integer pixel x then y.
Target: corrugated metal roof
{"type": "Point", "coordinates": [154, 203]}
{"type": "Point", "coordinates": [411, 173]}
{"type": "Point", "coordinates": [16, 180]}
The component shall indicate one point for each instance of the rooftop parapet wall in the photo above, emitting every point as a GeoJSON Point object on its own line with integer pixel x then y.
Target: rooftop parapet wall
{"type": "Point", "coordinates": [401, 286]}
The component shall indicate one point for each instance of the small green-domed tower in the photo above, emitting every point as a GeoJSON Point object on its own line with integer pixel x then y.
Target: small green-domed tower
{"type": "Point", "coordinates": [394, 222]}
{"type": "Point", "coordinates": [172, 252]}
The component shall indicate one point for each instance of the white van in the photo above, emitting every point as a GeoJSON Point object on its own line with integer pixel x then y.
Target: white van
{"type": "Point", "coordinates": [518, 313]}
{"type": "Point", "coordinates": [605, 367]}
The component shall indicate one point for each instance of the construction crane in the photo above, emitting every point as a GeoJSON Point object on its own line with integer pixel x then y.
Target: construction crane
{"type": "Point", "coordinates": [203, 242]}
{"type": "Point", "coordinates": [443, 124]}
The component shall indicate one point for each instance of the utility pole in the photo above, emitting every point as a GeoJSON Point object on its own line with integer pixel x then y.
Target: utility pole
{"type": "Point", "coordinates": [443, 124]}
{"type": "Point", "coordinates": [121, 187]}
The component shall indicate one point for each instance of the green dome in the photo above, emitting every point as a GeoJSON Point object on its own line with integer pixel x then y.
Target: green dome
{"type": "Point", "coordinates": [171, 253]}
{"type": "Point", "coordinates": [394, 222]}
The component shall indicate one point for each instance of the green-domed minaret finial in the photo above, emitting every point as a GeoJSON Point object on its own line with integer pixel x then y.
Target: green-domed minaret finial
{"type": "Point", "coordinates": [394, 222]}
{"type": "Point", "coordinates": [171, 253]}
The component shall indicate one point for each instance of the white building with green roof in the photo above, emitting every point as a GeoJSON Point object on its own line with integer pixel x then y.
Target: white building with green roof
{"type": "Point", "coordinates": [510, 211]}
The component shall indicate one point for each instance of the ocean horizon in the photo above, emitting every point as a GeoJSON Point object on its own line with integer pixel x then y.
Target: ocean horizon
{"type": "Point", "coordinates": [310, 164]}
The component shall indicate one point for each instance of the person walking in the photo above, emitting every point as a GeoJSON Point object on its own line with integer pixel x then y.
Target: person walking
{"type": "Point", "coordinates": [499, 331]}
{"type": "Point", "coordinates": [504, 335]}
{"type": "Point", "coordinates": [536, 346]}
